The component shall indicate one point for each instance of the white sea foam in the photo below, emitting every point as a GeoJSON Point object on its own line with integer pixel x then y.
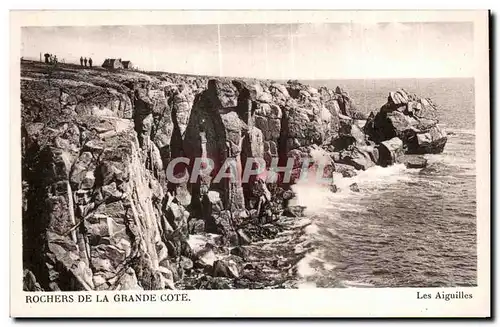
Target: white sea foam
{"type": "Point", "coordinates": [329, 266]}
{"type": "Point", "coordinates": [377, 175]}
{"type": "Point", "coordinates": [315, 197]}
{"type": "Point", "coordinates": [320, 200]}
{"type": "Point", "coordinates": [311, 229]}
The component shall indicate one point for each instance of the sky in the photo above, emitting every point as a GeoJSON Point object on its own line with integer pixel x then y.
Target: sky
{"type": "Point", "coordinates": [277, 51]}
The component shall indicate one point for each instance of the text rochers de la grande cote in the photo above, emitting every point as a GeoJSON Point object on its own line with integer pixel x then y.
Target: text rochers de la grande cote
{"type": "Point", "coordinates": [104, 298]}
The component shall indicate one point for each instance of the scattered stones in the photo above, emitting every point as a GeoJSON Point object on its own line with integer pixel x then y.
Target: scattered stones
{"type": "Point", "coordinates": [211, 283]}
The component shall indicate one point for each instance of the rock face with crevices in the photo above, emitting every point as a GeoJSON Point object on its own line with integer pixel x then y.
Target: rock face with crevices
{"type": "Point", "coordinates": [100, 211]}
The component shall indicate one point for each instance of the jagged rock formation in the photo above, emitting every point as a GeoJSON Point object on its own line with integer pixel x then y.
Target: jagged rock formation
{"type": "Point", "coordinates": [99, 212]}
{"type": "Point", "coordinates": [412, 119]}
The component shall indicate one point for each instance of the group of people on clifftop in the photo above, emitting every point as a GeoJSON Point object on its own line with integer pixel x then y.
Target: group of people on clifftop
{"type": "Point", "coordinates": [83, 61]}
{"type": "Point", "coordinates": [52, 59]}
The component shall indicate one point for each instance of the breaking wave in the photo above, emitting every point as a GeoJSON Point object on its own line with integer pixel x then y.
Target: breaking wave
{"type": "Point", "coordinates": [405, 227]}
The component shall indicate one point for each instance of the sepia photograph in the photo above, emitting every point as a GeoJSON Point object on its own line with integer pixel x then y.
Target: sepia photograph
{"type": "Point", "coordinates": [249, 156]}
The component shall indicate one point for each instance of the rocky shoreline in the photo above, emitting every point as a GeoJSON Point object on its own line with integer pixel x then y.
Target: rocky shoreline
{"type": "Point", "coordinates": [99, 212]}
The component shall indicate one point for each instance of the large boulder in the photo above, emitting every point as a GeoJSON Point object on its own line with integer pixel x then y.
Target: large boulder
{"type": "Point", "coordinates": [432, 141]}
{"type": "Point", "coordinates": [398, 98]}
{"type": "Point", "coordinates": [414, 161]}
{"type": "Point", "coordinates": [386, 125]}
{"type": "Point", "coordinates": [345, 170]}
{"type": "Point", "coordinates": [279, 94]}
{"type": "Point", "coordinates": [389, 151]}
{"type": "Point", "coordinates": [225, 268]}
{"type": "Point", "coordinates": [411, 119]}
{"type": "Point", "coordinates": [349, 134]}
{"type": "Point", "coordinates": [360, 158]}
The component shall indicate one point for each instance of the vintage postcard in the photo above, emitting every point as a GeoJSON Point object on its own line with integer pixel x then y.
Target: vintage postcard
{"type": "Point", "coordinates": [250, 164]}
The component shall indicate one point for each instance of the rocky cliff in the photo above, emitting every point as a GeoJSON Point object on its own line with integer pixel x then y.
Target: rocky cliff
{"type": "Point", "coordinates": [99, 212]}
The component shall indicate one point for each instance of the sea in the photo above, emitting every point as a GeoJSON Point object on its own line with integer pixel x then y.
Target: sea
{"type": "Point", "coordinates": [405, 227]}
